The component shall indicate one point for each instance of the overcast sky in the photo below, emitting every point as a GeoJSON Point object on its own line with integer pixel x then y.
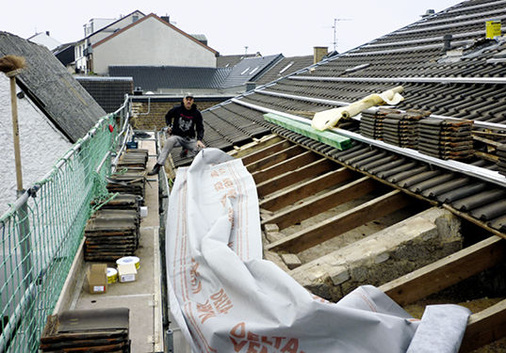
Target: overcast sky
{"type": "Point", "coordinates": [288, 27]}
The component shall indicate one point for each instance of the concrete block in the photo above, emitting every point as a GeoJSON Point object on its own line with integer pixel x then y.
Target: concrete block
{"type": "Point", "coordinates": [271, 227]}
{"type": "Point", "coordinates": [273, 236]}
{"type": "Point", "coordinates": [291, 260]}
{"type": "Point", "coordinates": [339, 275]}
{"type": "Point", "coordinates": [385, 255]}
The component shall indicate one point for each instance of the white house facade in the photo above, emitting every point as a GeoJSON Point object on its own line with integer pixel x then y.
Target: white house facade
{"type": "Point", "coordinates": [95, 31]}
{"type": "Point", "coordinates": [151, 41]}
{"type": "Point", "coordinates": [41, 145]}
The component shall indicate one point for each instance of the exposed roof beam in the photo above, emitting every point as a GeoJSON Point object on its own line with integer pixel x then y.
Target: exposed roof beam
{"type": "Point", "coordinates": [446, 272]}
{"type": "Point", "coordinates": [300, 212]}
{"type": "Point", "coordinates": [319, 175]}
{"type": "Point", "coordinates": [341, 223]}
{"type": "Point", "coordinates": [282, 181]}
{"type": "Point", "coordinates": [289, 164]}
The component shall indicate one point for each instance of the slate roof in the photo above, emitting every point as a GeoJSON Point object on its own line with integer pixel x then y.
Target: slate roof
{"type": "Point", "coordinates": [153, 78]}
{"type": "Point", "coordinates": [250, 69]}
{"type": "Point", "coordinates": [284, 67]}
{"type": "Point", "coordinates": [109, 92]}
{"type": "Point", "coordinates": [465, 83]}
{"type": "Point", "coordinates": [230, 60]}
{"type": "Point", "coordinates": [49, 85]}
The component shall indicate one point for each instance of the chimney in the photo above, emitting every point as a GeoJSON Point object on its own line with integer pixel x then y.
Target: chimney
{"type": "Point", "coordinates": [319, 53]}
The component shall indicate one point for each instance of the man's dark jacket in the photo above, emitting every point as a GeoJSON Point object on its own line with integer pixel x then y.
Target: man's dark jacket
{"type": "Point", "coordinates": [184, 122]}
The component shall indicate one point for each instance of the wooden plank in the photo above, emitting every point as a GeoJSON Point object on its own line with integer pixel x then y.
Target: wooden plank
{"type": "Point", "coordinates": [282, 181]}
{"type": "Point", "coordinates": [266, 151]}
{"type": "Point", "coordinates": [485, 327]}
{"type": "Point", "coordinates": [447, 271]}
{"type": "Point", "coordinates": [275, 158]}
{"type": "Point", "coordinates": [305, 189]}
{"type": "Point", "coordinates": [285, 166]}
{"type": "Point", "coordinates": [339, 224]}
{"type": "Point", "coordinates": [330, 138]}
{"type": "Point", "coordinates": [348, 192]}
{"type": "Point", "coordinates": [251, 148]}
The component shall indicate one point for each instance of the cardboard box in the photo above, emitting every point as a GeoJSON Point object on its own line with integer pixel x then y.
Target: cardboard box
{"type": "Point", "coordinates": [127, 272]}
{"type": "Point", "coordinates": [96, 279]}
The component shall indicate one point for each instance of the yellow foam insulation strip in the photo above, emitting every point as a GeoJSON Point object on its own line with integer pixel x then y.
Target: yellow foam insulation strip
{"type": "Point", "coordinates": [327, 119]}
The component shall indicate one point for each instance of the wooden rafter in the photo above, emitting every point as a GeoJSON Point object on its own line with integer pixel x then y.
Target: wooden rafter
{"type": "Point", "coordinates": [447, 271]}
{"type": "Point", "coordinates": [322, 203]}
{"type": "Point", "coordinates": [275, 158]}
{"type": "Point", "coordinates": [311, 170]}
{"type": "Point", "coordinates": [341, 223]}
{"type": "Point", "coordinates": [305, 189]}
{"type": "Point", "coordinates": [288, 165]}
{"type": "Point", "coordinates": [266, 151]}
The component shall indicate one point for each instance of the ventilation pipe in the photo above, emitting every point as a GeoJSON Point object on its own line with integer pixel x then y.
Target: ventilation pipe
{"type": "Point", "coordinates": [447, 42]}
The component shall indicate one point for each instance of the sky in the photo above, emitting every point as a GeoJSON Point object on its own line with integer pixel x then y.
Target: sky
{"type": "Point", "coordinates": [232, 27]}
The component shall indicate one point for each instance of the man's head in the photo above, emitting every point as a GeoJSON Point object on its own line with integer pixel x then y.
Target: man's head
{"type": "Point", "coordinates": [188, 100]}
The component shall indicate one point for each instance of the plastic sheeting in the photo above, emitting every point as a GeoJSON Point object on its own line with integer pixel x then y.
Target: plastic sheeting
{"type": "Point", "coordinates": [226, 298]}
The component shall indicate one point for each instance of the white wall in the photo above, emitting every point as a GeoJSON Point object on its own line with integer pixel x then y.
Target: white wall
{"type": "Point", "coordinates": [112, 26]}
{"type": "Point", "coordinates": [41, 145]}
{"type": "Point", "coordinates": [151, 43]}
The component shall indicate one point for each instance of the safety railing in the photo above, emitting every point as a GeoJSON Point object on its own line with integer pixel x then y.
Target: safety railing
{"type": "Point", "coordinates": [42, 231]}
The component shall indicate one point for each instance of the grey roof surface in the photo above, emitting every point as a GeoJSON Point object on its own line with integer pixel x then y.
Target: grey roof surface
{"type": "Point", "coordinates": [109, 92]}
{"type": "Point", "coordinates": [466, 83]}
{"type": "Point", "coordinates": [250, 69]}
{"type": "Point", "coordinates": [230, 60]}
{"type": "Point", "coordinates": [152, 78]}
{"type": "Point", "coordinates": [284, 67]}
{"type": "Point", "coordinates": [49, 85]}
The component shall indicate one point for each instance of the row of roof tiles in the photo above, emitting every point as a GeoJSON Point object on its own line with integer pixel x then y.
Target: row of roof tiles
{"type": "Point", "coordinates": [477, 92]}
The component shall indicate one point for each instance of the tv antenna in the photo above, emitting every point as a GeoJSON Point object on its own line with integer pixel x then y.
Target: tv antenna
{"type": "Point", "coordinates": [335, 30]}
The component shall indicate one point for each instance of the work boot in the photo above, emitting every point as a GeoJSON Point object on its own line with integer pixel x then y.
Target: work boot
{"type": "Point", "coordinates": [155, 169]}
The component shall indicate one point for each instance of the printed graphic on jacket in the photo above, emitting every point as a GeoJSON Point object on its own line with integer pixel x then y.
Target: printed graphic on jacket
{"type": "Point", "coordinates": [185, 122]}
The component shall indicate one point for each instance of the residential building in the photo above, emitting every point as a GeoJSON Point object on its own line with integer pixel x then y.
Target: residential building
{"type": "Point", "coordinates": [45, 39]}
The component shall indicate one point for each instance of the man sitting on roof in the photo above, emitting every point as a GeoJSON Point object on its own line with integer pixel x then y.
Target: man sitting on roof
{"type": "Point", "coordinates": [183, 123]}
